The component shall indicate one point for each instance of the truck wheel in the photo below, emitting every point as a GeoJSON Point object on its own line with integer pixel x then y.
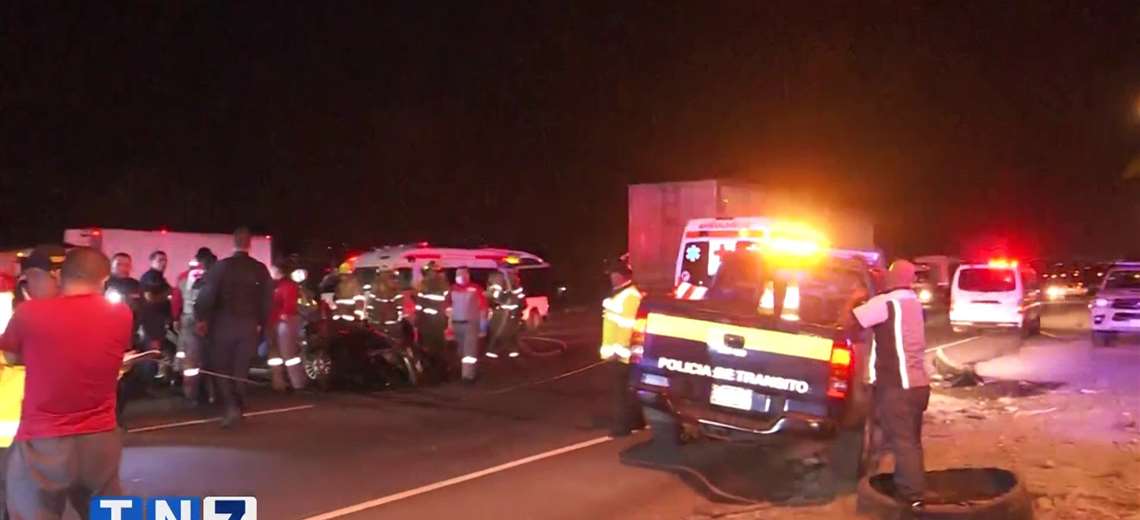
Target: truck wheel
{"type": "Point", "coordinates": [1101, 339]}
{"type": "Point", "coordinates": [665, 429]}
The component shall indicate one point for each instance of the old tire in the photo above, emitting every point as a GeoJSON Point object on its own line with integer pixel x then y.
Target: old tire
{"type": "Point", "coordinates": [967, 493]}
{"type": "Point", "coordinates": [664, 428]}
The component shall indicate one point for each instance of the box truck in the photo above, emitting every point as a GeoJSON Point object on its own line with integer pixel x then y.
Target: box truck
{"type": "Point", "coordinates": [180, 247]}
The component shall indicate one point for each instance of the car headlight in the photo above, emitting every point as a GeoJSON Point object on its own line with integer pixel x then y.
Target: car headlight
{"type": "Point", "coordinates": [925, 296]}
{"type": "Point", "coordinates": [1100, 302]}
{"type": "Point", "coordinates": [114, 296]}
{"type": "Point", "coordinates": [1054, 292]}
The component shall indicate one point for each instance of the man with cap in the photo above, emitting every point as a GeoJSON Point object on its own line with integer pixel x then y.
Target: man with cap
{"type": "Point", "coordinates": [191, 344]}
{"type": "Point", "coordinates": [619, 318]}
{"type": "Point", "coordinates": [898, 373]}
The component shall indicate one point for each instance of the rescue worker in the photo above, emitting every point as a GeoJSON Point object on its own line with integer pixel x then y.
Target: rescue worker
{"type": "Point", "coordinates": [468, 306]}
{"type": "Point", "coordinates": [233, 308]}
{"type": "Point", "coordinates": [385, 306]}
{"type": "Point", "coordinates": [349, 297]}
{"type": "Point", "coordinates": [191, 344]}
{"type": "Point", "coordinates": [619, 317]}
{"type": "Point", "coordinates": [898, 373]}
{"type": "Point", "coordinates": [505, 296]}
{"type": "Point", "coordinates": [431, 318]}
{"type": "Point", "coordinates": [284, 332]}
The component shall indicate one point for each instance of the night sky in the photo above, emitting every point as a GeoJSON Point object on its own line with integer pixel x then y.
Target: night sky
{"type": "Point", "coordinates": [520, 123]}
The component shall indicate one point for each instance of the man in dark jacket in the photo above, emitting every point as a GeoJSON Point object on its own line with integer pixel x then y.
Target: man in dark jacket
{"type": "Point", "coordinates": [154, 313]}
{"type": "Point", "coordinates": [233, 309]}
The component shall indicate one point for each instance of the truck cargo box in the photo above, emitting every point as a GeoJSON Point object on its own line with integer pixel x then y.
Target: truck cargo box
{"type": "Point", "coordinates": [179, 247]}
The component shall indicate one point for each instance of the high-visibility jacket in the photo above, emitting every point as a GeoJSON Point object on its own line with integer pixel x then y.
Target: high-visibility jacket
{"type": "Point", "coordinates": [619, 317]}
{"type": "Point", "coordinates": [11, 399]}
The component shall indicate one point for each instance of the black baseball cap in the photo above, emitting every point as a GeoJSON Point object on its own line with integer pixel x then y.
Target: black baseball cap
{"type": "Point", "coordinates": [45, 257]}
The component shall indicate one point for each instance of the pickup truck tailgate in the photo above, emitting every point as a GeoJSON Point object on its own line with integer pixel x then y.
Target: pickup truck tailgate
{"type": "Point", "coordinates": [712, 367]}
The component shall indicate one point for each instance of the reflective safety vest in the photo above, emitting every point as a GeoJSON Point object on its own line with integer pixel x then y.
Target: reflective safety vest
{"type": "Point", "coordinates": [385, 308]}
{"type": "Point", "coordinates": [11, 399]}
{"type": "Point", "coordinates": [431, 304]}
{"type": "Point", "coordinates": [619, 318]}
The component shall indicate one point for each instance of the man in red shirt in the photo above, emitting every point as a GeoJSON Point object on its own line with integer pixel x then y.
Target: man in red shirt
{"type": "Point", "coordinates": [284, 329]}
{"type": "Point", "coordinates": [67, 447]}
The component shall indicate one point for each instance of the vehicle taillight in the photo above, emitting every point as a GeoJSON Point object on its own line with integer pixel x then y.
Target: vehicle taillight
{"type": "Point", "coordinates": [841, 363]}
{"type": "Point", "coordinates": [637, 338]}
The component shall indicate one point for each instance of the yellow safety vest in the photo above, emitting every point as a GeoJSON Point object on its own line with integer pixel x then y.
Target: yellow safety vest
{"type": "Point", "coordinates": [11, 399]}
{"type": "Point", "coordinates": [619, 318]}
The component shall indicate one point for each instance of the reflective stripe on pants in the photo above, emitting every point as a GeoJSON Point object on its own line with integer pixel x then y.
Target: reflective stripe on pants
{"type": "Point", "coordinates": [467, 337]}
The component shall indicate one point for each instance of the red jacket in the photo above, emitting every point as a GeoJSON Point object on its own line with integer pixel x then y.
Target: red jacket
{"type": "Point", "coordinates": [284, 300]}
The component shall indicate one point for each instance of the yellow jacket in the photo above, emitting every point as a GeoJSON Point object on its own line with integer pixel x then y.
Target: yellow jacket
{"type": "Point", "coordinates": [11, 398]}
{"type": "Point", "coordinates": [619, 317]}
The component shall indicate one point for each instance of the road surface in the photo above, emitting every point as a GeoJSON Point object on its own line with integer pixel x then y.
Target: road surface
{"type": "Point", "coordinates": [528, 441]}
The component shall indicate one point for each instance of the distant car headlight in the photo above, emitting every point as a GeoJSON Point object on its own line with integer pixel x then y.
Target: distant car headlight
{"type": "Point", "coordinates": [114, 296]}
{"type": "Point", "coordinates": [925, 296]}
{"type": "Point", "coordinates": [1054, 292]}
{"type": "Point", "coordinates": [1100, 302]}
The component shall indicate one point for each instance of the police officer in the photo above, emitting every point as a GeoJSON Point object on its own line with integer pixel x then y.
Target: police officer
{"type": "Point", "coordinates": [898, 373]}
{"type": "Point", "coordinates": [431, 318]}
{"type": "Point", "coordinates": [233, 307]}
{"type": "Point", "coordinates": [191, 344]}
{"type": "Point", "coordinates": [505, 296]}
{"type": "Point", "coordinates": [155, 311]}
{"type": "Point", "coordinates": [619, 317]}
{"type": "Point", "coordinates": [468, 307]}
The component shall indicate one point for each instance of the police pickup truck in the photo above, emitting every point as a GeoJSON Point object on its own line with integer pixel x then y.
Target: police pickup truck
{"type": "Point", "coordinates": [763, 353]}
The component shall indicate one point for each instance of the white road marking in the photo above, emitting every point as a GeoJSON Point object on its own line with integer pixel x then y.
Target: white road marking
{"type": "Point", "coordinates": [953, 343]}
{"type": "Point", "coordinates": [457, 480]}
{"type": "Point", "coordinates": [194, 422]}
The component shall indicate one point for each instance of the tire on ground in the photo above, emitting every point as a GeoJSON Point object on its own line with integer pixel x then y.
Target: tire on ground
{"type": "Point", "coordinates": [971, 493]}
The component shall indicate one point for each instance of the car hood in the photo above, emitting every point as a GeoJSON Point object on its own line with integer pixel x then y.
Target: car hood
{"type": "Point", "coordinates": [1118, 293]}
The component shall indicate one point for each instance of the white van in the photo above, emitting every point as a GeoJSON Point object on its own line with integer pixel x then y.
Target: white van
{"type": "Point", "coordinates": [408, 262]}
{"type": "Point", "coordinates": [997, 294]}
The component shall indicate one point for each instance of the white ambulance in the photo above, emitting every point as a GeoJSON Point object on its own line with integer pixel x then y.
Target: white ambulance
{"type": "Point", "coordinates": [408, 262]}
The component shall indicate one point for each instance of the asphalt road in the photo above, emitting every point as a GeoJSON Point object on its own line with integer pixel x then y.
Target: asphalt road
{"type": "Point", "coordinates": [528, 441]}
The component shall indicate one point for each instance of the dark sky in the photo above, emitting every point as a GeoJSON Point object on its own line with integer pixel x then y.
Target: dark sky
{"type": "Point", "coordinates": [521, 122]}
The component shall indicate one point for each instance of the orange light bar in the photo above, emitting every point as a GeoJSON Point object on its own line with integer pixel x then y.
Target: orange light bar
{"type": "Point", "coordinates": [1002, 263]}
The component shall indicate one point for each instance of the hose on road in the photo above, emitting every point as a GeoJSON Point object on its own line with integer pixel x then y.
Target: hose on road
{"type": "Point", "coordinates": [524, 345]}
{"type": "Point", "coordinates": [678, 468]}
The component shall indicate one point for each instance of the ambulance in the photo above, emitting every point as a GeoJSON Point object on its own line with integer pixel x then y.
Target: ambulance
{"type": "Point", "coordinates": [408, 261]}
{"type": "Point", "coordinates": [706, 240]}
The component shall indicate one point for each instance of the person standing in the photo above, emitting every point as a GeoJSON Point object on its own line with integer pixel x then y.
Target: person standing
{"type": "Point", "coordinates": [154, 313]}
{"type": "Point", "coordinates": [898, 373]}
{"type": "Point", "coordinates": [67, 448]}
{"type": "Point", "coordinates": [619, 317]}
{"type": "Point", "coordinates": [468, 306]}
{"type": "Point", "coordinates": [191, 344]}
{"type": "Point", "coordinates": [233, 309]}
{"type": "Point", "coordinates": [505, 296]}
{"type": "Point", "coordinates": [284, 331]}
{"type": "Point", "coordinates": [431, 319]}
{"type": "Point", "coordinates": [121, 288]}
{"type": "Point", "coordinates": [385, 307]}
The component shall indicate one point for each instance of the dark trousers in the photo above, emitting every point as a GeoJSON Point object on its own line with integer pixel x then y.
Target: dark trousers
{"type": "Point", "coordinates": [232, 348]}
{"type": "Point", "coordinates": [626, 408]}
{"type": "Point", "coordinates": [899, 414]}
{"type": "Point", "coordinates": [44, 475]}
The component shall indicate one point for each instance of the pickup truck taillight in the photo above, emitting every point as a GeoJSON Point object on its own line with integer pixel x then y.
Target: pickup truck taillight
{"type": "Point", "coordinates": [839, 379]}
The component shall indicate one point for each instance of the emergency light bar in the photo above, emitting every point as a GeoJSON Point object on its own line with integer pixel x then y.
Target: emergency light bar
{"type": "Point", "coordinates": [1002, 263]}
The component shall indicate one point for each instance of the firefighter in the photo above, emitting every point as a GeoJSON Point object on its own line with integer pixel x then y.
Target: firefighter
{"type": "Point", "coordinates": [349, 296]}
{"type": "Point", "coordinates": [468, 307]}
{"type": "Point", "coordinates": [284, 331]}
{"type": "Point", "coordinates": [505, 296]}
{"type": "Point", "coordinates": [431, 317]}
{"type": "Point", "coordinates": [385, 306]}
{"type": "Point", "coordinates": [619, 317]}
{"type": "Point", "coordinates": [191, 344]}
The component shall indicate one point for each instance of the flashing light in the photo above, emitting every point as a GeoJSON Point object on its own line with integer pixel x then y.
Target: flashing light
{"type": "Point", "coordinates": [97, 233]}
{"type": "Point", "coordinates": [925, 296]}
{"type": "Point", "coordinates": [513, 260]}
{"type": "Point", "coordinates": [422, 244]}
{"type": "Point", "coordinates": [1002, 263]}
{"type": "Point", "coordinates": [162, 231]}
{"type": "Point", "coordinates": [298, 275]}
{"type": "Point", "coordinates": [114, 296]}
